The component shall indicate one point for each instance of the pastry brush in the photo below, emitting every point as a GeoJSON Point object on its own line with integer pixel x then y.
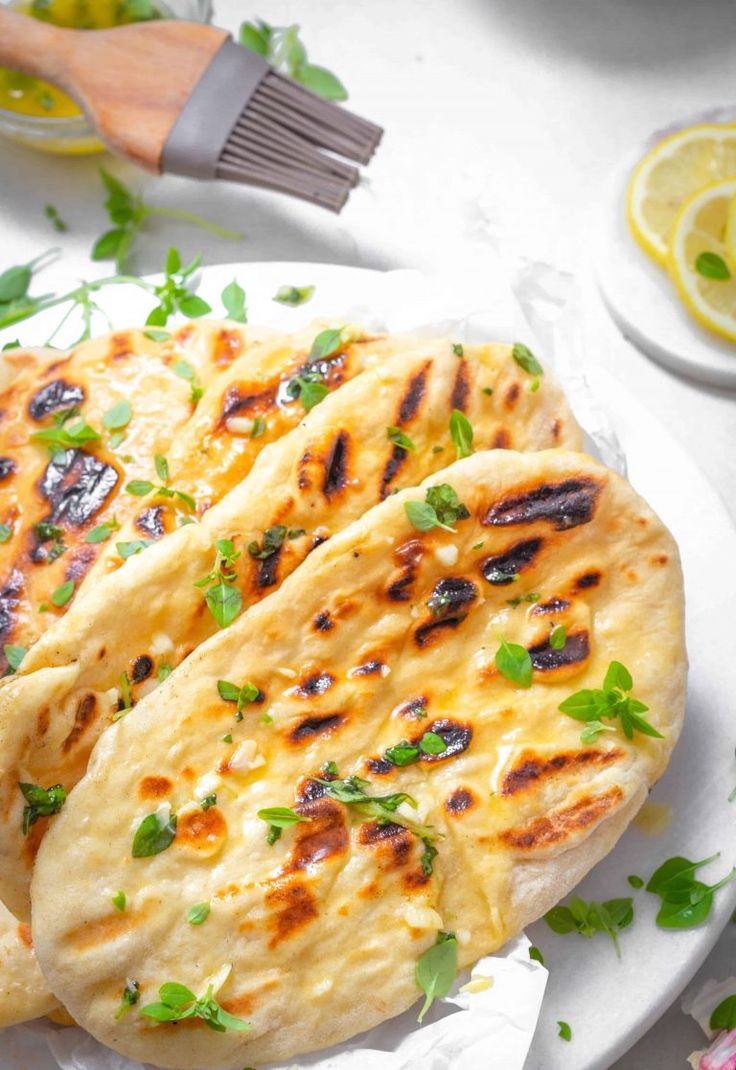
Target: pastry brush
{"type": "Point", "coordinates": [184, 98]}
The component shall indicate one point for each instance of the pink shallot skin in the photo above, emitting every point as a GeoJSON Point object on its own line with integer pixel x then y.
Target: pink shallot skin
{"type": "Point", "coordinates": [721, 1055]}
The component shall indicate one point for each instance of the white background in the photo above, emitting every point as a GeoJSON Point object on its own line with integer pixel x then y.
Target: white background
{"type": "Point", "coordinates": [504, 120]}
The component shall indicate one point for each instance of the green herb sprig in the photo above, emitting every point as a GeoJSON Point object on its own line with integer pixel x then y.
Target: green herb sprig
{"type": "Point", "coordinates": [241, 696]}
{"type": "Point", "coordinates": [129, 212]}
{"type": "Point", "coordinates": [223, 598]}
{"type": "Point", "coordinates": [293, 295]}
{"type": "Point", "coordinates": [285, 51]}
{"type": "Point", "coordinates": [436, 970]}
{"type": "Point", "coordinates": [405, 753]}
{"type": "Point", "coordinates": [177, 1002]}
{"type": "Point", "coordinates": [154, 834]}
{"type": "Point", "coordinates": [514, 662]}
{"type": "Point", "coordinates": [609, 702]}
{"type": "Point", "coordinates": [279, 818]}
{"type": "Point", "coordinates": [589, 918]}
{"type": "Point", "coordinates": [686, 901]}
{"type": "Point", "coordinates": [440, 509]}
{"type": "Point", "coordinates": [461, 433]}
{"type": "Point", "coordinates": [40, 802]}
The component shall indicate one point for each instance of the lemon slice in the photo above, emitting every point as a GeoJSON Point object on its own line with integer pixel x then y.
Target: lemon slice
{"type": "Point", "coordinates": [670, 173]}
{"type": "Point", "coordinates": [731, 235]}
{"type": "Point", "coordinates": [698, 260]}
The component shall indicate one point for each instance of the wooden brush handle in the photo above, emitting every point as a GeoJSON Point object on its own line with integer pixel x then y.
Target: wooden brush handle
{"type": "Point", "coordinates": [32, 46]}
{"type": "Point", "coordinates": [131, 82]}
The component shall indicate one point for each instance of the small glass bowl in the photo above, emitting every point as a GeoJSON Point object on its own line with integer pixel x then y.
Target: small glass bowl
{"type": "Point", "coordinates": [73, 135]}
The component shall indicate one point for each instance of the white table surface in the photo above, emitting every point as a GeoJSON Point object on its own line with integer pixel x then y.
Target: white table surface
{"type": "Point", "coordinates": [504, 119]}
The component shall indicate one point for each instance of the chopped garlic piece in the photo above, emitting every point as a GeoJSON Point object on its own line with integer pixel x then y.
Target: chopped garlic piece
{"type": "Point", "coordinates": [207, 785]}
{"type": "Point", "coordinates": [322, 987]}
{"type": "Point", "coordinates": [422, 917]}
{"type": "Point", "coordinates": [463, 936]}
{"type": "Point", "coordinates": [246, 757]}
{"type": "Point", "coordinates": [240, 425]}
{"type": "Point", "coordinates": [478, 984]}
{"type": "Point", "coordinates": [163, 812]}
{"type": "Point", "coordinates": [218, 979]}
{"type": "Point", "coordinates": [290, 674]}
{"type": "Point", "coordinates": [161, 644]}
{"type": "Point", "coordinates": [447, 555]}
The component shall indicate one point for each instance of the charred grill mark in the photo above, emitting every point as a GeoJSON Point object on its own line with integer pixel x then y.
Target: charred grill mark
{"type": "Point", "coordinates": [332, 372]}
{"type": "Point", "coordinates": [413, 395]}
{"type": "Point", "coordinates": [562, 824]}
{"type": "Point", "coordinates": [310, 789]}
{"type": "Point", "coordinates": [565, 505]}
{"type": "Point", "coordinates": [155, 787]}
{"type": "Point", "coordinates": [323, 622]}
{"type": "Point", "coordinates": [408, 555]}
{"type": "Point", "coordinates": [428, 633]}
{"type": "Point", "coordinates": [316, 684]}
{"type": "Point", "coordinates": [24, 934]}
{"type": "Point", "coordinates": [56, 396]}
{"type": "Point", "coordinates": [325, 836]}
{"type": "Point", "coordinates": [532, 769]}
{"type": "Point", "coordinates": [461, 386]}
{"type": "Point", "coordinates": [313, 727]}
{"type": "Point", "coordinates": [501, 440]}
{"type": "Point", "coordinates": [316, 541]}
{"type": "Point", "coordinates": [267, 569]}
{"type": "Point", "coordinates": [512, 396]}
{"type": "Point", "coordinates": [150, 522]}
{"type": "Point", "coordinates": [576, 649]}
{"type": "Point", "coordinates": [587, 580]}
{"type": "Point", "coordinates": [453, 594]}
{"type": "Point", "coordinates": [227, 346]}
{"type": "Point", "coordinates": [336, 465]}
{"type": "Point", "coordinates": [79, 563]}
{"type": "Point", "coordinates": [242, 400]}
{"type": "Point", "coordinates": [392, 842]}
{"type": "Point", "coordinates": [399, 589]}
{"type": "Point", "coordinates": [556, 430]}
{"type": "Point", "coordinates": [368, 668]}
{"type": "Point", "coordinates": [83, 718]}
{"type": "Point", "coordinates": [554, 605]}
{"type": "Point", "coordinates": [77, 488]}
{"type": "Point", "coordinates": [392, 466]}
{"type": "Point", "coordinates": [460, 800]}
{"type": "Point", "coordinates": [293, 906]}
{"type": "Point", "coordinates": [380, 766]}
{"type": "Point", "coordinates": [414, 709]}
{"type": "Point", "coordinates": [456, 737]}
{"type": "Point", "coordinates": [500, 569]}
{"type": "Point", "coordinates": [304, 480]}
{"type": "Point", "coordinates": [142, 668]}
{"type": "Point", "coordinates": [7, 467]}
{"type": "Point", "coordinates": [202, 830]}
{"type": "Point", "coordinates": [9, 599]}
{"type": "Point", "coordinates": [120, 347]}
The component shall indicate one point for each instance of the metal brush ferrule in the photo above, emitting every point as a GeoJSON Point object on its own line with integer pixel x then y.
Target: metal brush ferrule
{"type": "Point", "coordinates": [200, 133]}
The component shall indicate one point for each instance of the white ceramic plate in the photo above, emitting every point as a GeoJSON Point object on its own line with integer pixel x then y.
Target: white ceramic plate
{"type": "Point", "coordinates": [608, 1003]}
{"type": "Point", "coordinates": [640, 295]}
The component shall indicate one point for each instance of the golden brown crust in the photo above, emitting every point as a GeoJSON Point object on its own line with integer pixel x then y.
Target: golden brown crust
{"type": "Point", "coordinates": [312, 911]}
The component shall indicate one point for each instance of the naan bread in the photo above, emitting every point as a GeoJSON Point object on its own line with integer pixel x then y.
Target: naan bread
{"type": "Point", "coordinates": [82, 488]}
{"type": "Point", "coordinates": [148, 615]}
{"type": "Point", "coordinates": [23, 991]}
{"type": "Point", "coordinates": [323, 928]}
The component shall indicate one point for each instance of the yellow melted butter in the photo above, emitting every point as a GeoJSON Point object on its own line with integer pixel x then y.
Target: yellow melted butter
{"type": "Point", "coordinates": [654, 818]}
{"type": "Point", "coordinates": [26, 95]}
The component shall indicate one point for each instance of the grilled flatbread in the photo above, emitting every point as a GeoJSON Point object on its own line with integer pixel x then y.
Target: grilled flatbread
{"type": "Point", "coordinates": [23, 991]}
{"type": "Point", "coordinates": [52, 495]}
{"type": "Point", "coordinates": [315, 935]}
{"type": "Point", "coordinates": [146, 617]}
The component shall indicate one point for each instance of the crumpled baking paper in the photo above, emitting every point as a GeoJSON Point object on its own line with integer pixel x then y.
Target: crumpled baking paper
{"type": "Point", "coordinates": [492, 1029]}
